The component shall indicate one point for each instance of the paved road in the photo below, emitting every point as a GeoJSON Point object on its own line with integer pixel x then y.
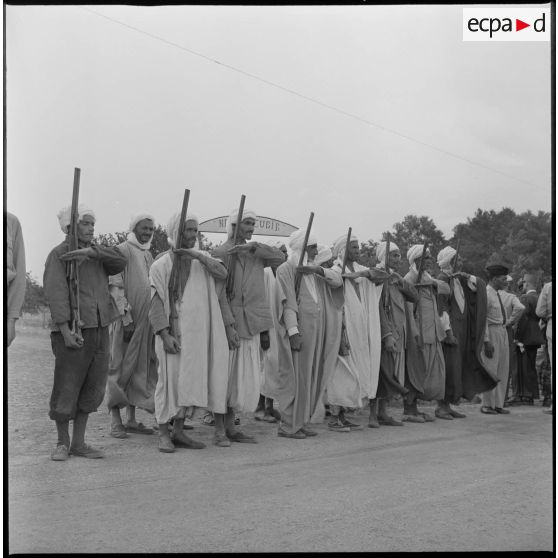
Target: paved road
{"type": "Point", "coordinates": [480, 483]}
{"type": "Point", "coordinates": [483, 483]}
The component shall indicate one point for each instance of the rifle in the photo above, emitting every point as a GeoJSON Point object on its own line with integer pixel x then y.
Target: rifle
{"type": "Point", "coordinates": [298, 277]}
{"type": "Point", "coordinates": [72, 268]}
{"type": "Point", "coordinates": [344, 346]}
{"type": "Point", "coordinates": [421, 266]}
{"type": "Point", "coordinates": [455, 257]}
{"type": "Point", "coordinates": [419, 277]}
{"type": "Point", "coordinates": [232, 258]}
{"type": "Point", "coordinates": [174, 282]}
{"type": "Point", "coordinates": [387, 295]}
{"type": "Point", "coordinates": [346, 250]}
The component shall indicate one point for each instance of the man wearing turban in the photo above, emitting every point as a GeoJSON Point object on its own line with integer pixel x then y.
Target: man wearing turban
{"type": "Point", "coordinates": [191, 343]}
{"type": "Point", "coordinates": [249, 307]}
{"type": "Point", "coordinates": [495, 356]}
{"type": "Point", "coordinates": [426, 383]}
{"type": "Point", "coordinates": [81, 353]}
{"type": "Point", "coordinates": [396, 333]}
{"type": "Point", "coordinates": [308, 334]}
{"type": "Point", "coordinates": [355, 379]}
{"type": "Point", "coordinates": [269, 354]}
{"type": "Point", "coordinates": [464, 315]}
{"type": "Point", "coordinates": [133, 364]}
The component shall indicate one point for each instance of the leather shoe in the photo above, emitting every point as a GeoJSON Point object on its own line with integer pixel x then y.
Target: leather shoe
{"type": "Point", "coordinates": [488, 411]}
{"type": "Point", "coordinates": [389, 421]}
{"type": "Point", "coordinates": [165, 445]}
{"type": "Point", "coordinates": [307, 432]}
{"type": "Point", "coordinates": [183, 441]}
{"type": "Point", "coordinates": [501, 411]}
{"type": "Point", "coordinates": [440, 413]}
{"type": "Point", "coordinates": [456, 414]}
{"type": "Point", "coordinates": [239, 436]}
{"type": "Point", "coordinates": [299, 435]}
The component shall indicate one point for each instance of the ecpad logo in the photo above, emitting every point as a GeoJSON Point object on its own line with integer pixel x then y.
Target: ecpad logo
{"type": "Point", "coordinates": [506, 24]}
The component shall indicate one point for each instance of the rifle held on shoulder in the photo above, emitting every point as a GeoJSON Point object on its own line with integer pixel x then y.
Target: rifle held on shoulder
{"type": "Point", "coordinates": [232, 258]}
{"type": "Point", "coordinates": [298, 277]}
{"type": "Point", "coordinates": [72, 268]}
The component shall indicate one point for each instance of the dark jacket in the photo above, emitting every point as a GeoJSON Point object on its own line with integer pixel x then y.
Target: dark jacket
{"type": "Point", "coordinates": [97, 307]}
{"type": "Point", "coordinates": [528, 331]}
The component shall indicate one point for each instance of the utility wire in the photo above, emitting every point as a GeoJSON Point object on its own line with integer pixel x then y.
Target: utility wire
{"type": "Point", "coordinates": [316, 101]}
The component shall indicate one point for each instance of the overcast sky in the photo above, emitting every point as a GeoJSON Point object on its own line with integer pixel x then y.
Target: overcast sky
{"type": "Point", "coordinates": [144, 119]}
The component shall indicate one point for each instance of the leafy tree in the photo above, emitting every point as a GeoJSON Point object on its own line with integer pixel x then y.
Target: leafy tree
{"type": "Point", "coordinates": [34, 301]}
{"type": "Point", "coordinates": [415, 230]}
{"type": "Point", "coordinates": [523, 241]}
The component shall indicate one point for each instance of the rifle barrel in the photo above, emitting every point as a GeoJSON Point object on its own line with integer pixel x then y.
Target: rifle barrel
{"type": "Point", "coordinates": [347, 243]}
{"type": "Point", "coordinates": [298, 276]}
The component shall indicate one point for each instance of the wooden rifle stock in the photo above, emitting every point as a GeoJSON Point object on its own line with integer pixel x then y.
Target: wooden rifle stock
{"type": "Point", "coordinates": [455, 257]}
{"type": "Point", "coordinates": [347, 244]}
{"type": "Point", "coordinates": [298, 277]}
{"type": "Point", "coordinates": [72, 268]}
{"type": "Point", "coordinates": [232, 259]}
{"type": "Point", "coordinates": [421, 266]}
{"type": "Point", "coordinates": [419, 277]}
{"type": "Point", "coordinates": [174, 282]}
{"type": "Point", "coordinates": [387, 295]}
{"type": "Point", "coordinates": [344, 346]}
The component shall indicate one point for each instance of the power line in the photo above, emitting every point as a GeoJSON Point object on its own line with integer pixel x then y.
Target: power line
{"type": "Point", "coordinates": [316, 101]}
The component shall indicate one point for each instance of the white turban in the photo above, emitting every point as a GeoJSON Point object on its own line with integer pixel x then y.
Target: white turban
{"type": "Point", "coordinates": [415, 252]}
{"type": "Point", "coordinates": [381, 252]}
{"type": "Point", "coordinates": [445, 256]}
{"type": "Point", "coordinates": [274, 243]}
{"type": "Point", "coordinates": [172, 227]}
{"type": "Point", "coordinates": [339, 246]}
{"type": "Point", "coordinates": [140, 217]}
{"type": "Point", "coordinates": [324, 254]}
{"type": "Point", "coordinates": [296, 240]}
{"type": "Point", "coordinates": [64, 215]}
{"type": "Point", "coordinates": [246, 214]}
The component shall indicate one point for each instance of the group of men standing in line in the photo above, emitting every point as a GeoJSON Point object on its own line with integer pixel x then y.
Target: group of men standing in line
{"type": "Point", "coordinates": [167, 335]}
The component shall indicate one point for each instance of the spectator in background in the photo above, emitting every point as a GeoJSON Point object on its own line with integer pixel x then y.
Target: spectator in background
{"type": "Point", "coordinates": [15, 274]}
{"type": "Point", "coordinates": [544, 311]}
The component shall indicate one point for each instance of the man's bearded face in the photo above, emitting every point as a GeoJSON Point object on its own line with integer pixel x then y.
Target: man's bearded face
{"type": "Point", "coordinates": [190, 234]}
{"type": "Point", "coordinates": [395, 259]}
{"type": "Point", "coordinates": [246, 229]}
{"type": "Point", "coordinates": [86, 229]}
{"type": "Point", "coordinates": [144, 230]}
{"type": "Point", "coordinates": [354, 251]}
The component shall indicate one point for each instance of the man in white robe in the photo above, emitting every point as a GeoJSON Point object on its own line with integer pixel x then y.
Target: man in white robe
{"type": "Point", "coordinates": [269, 352]}
{"type": "Point", "coordinates": [192, 349]}
{"type": "Point", "coordinates": [355, 379]}
{"type": "Point", "coordinates": [249, 307]}
{"type": "Point", "coordinates": [132, 372]}
{"type": "Point", "coordinates": [431, 373]}
{"type": "Point", "coordinates": [309, 331]}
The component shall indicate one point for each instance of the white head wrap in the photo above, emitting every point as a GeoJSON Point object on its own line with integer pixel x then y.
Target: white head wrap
{"type": "Point", "coordinates": [172, 227]}
{"type": "Point", "coordinates": [275, 243]}
{"type": "Point", "coordinates": [246, 214]}
{"type": "Point", "coordinates": [140, 217]}
{"type": "Point", "coordinates": [445, 256]}
{"type": "Point", "coordinates": [65, 214]}
{"type": "Point", "coordinates": [415, 252]}
{"type": "Point", "coordinates": [294, 248]}
{"type": "Point", "coordinates": [381, 252]}
{"type": "Point", "coordinates": [339, 246]}
{"type": "Point", "coordinates": [324, 254]}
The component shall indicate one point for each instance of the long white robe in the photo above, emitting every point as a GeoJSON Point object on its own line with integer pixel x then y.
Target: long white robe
{"type": "Point", "coordinates": [270, 358]}
{"type": "Point", "coordinates": [355, 378]}
{"type": "Point", "coordinates": [198, 374]}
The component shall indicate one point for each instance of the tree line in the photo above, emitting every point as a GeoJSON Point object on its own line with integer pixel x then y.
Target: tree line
{"type": "Point", "coordinates": [522, 240]}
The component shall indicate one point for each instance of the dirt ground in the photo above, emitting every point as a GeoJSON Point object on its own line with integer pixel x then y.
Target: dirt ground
{"type": "Point", "coordinates": [481, 483]}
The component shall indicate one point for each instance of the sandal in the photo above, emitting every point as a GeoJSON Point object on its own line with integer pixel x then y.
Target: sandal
{"type": "Point", "coordinates": [118, 431]}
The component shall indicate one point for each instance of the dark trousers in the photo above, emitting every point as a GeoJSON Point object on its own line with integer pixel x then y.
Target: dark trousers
{"type": "Point", "coordinates": [80, 375]}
